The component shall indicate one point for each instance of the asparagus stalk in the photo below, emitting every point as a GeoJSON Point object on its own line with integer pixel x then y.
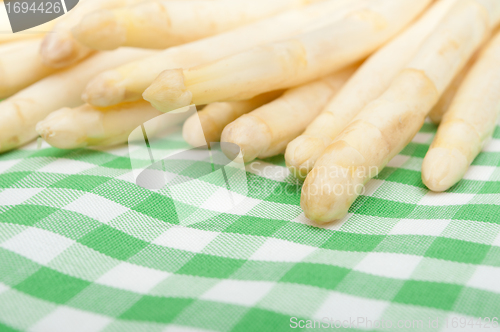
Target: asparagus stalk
{"type": "Point", "coordinates": [367, 84]}
{"type": "Point", "coordinates": [20, 66]}
{"type": "Point", "coordinates": [20, 113]}
{"type": "Point", "coordinates": [71, 128]}
{"type": "Point", "coordinates": [266, 131]}
{"type": "Point", "coordinates": [59, 48]}
{"type": "Point", "coordinates": [468, 124]}
{"type": "Point", "coordinates": [437, 112]}
{"type": "Point", "coordinates": [386, 125]}
{"type": "Point", "coordinates": [214, 117]}
{"type": "Point", "coordinates": [127, 83]}
{"type": "Point", "coordinates": [287, 63]}
{"type": "Point", "coordinates": [161, 24]}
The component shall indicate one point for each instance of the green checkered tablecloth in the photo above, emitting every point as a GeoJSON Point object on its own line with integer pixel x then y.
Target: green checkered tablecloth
{"type": "Point", "coordinates": [82, 248]}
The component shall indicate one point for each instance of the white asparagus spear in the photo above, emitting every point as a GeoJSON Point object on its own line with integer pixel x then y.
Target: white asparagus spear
{"type": "Point", "coordinates": [13, 46]}
{"type": "Point", "coordinates": [20, 113]}
{"type": "Point", "coordinates": [266, 131]}
{"type": "Point", "coordinates": [59, 48]}
{"type": "Point", "coordinates": [437, 112]}
{"type": "Point", "coordinates": [71, 128]}
{"type": "Point", "coordinates": [442, 106]}
{"type": "Point", "coordinates": [367, 84]}
{"type": "Point", "coordinates": [161, 24]}
{"type": "Point", "coordinates": [20, 66]}
{"type": "Point", "coordinates": [216, 116]}
{"type": "Point", "coordinates": [127, 83]}
{"type": "Point", "coordinates": [6, 38]}
{"type": "Point", "coordinates": [468, 124]}
{"type": "Point", "coordinates": [288, 63]}
{"type": "Point", "coordinates": [384, 127]}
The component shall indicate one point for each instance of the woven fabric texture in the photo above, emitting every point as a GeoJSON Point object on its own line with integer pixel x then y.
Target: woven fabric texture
{"type": "Point", "coordinates": [82, 248]}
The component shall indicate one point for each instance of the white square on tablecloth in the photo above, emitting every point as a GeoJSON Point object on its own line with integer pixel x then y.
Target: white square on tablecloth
{"type": "Point", "coordinates": [132, 277]}
{"type": "Point", "coordinates": [480, 173]}
{"type": "Point", "coordinates": [276, 250]}
{"type": "Point", "coordinates": [3, 287]}
{"type": "Point", "coordinates": [15, 196]}
{"type": "Point", "coordinates": [342, 307]}
{"type": "Point", "coordinates": [487, 278]}
{"type": "Point", "coordinates": [185, 238]}
{"type": "Point", "coordinates": [496, 242]}
{"type": "Point", "coordinates": [38, 245]}
{"type": "Point", "coordinates": [97, 207]}
{"type": "Point", "coordinates": [492, 146]}
{"type": "Point", "coordinates": [127, 177]}
{"type": "Point", "coordinates": [399, 266]}
{"type": "Point", "coordinates": [6, 164]}
{"type": "Point", "coordinates": [372, 186]}
{"type": "Point", "coordinates": [302, 219]}
{"type": "Point", "coordinates": [225, 201]}
{"type": "Point", "coordinates": [65, 319]}
{"type": "Point", "coordinates": [442, 199]}
{"type": "Point", "coordinates": [242, 292]}
{"type": "Point", "coordinates": [431, 227]}
{"type": "Point", "coordinates": [66, 166]}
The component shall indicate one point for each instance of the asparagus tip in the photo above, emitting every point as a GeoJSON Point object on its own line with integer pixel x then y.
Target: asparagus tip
{"type": "Point", "coordinates": [443, 168]}
{"type": "Point", "coordinates": [105, 90]}
{"type": "Point", "coordinates": [100, 30]}
{"type": "Point", "coordinates": [168, 92]}
{"type": "Point", "coordinates": [250, 133]}
{"type": "Point", "coordinates": [58, 50]}
{"type": "Point", "coordinates": [59, 130]}
{"type": "Point", "coordinates": [323, 200]}
{"type": "Point", "coordinates": [302, 153]}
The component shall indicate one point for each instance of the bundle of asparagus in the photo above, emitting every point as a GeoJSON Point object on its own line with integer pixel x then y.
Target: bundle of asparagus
{"type": "Point", "coordinates": [387, 124]}
{"type": "Point", "coordinates": [340, 86]}
{"type": "Point", "coordinates": [286, 63]}
{"type": "Point", "coordinates": [369, 82]}
{"type": "Point", "coordinates": [20, 113]}
{"type": "Point", "coordinates": [128, 83]}
{"type": "Point", "coordinates": [160, 24]}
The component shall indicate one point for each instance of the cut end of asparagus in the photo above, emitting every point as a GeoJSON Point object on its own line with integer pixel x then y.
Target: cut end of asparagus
{"type": "Point", "coordinates": [168, 92]}
{"type": "Point", "coordinates": [250, 133]}
{"type": "Point", "coordinates": [105, 90]}
{"type": "Point", "coordinates": [442, 168]}
{"type": "Point", "coordinates": [301, 154]}
{"type": "Point", "coordinates": [59, 50]}
{"type": "Point", "coordinates": [60, 131]}
{"type": "Point", "coordinates": [101, 31]}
